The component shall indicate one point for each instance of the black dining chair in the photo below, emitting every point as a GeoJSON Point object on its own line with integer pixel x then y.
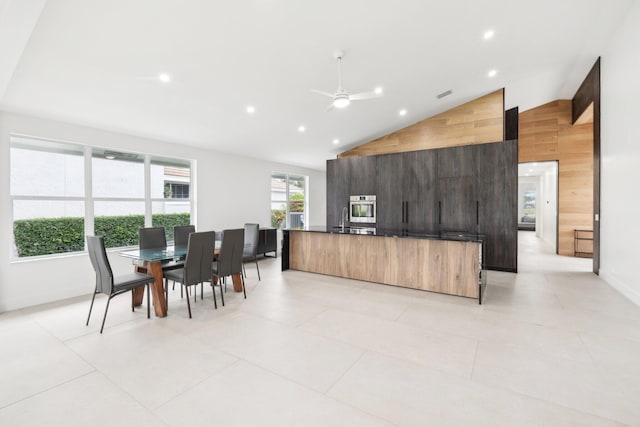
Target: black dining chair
{"type": "Point", "coordinates": [180, 240]}
{"type": "Point", "coordinates": [109, 285]}
{"type": "Point", "coordinates": [229, 260]}
{"type": "Point", "coordinates": [197, 264]}
{"type": "Point", "coordinates": [250, 251]}
{"type": "Point", "coordinates": [181, 234]}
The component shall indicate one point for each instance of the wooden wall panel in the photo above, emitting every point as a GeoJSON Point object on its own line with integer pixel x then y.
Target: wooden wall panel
{"type": "Point", "coordinates": [545, 134]}
{"type": "Point", "coordinates": [476, 122]}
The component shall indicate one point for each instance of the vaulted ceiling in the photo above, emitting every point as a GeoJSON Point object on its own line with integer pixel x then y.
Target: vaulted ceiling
{"type": "Point", "coordinates": [96, 63]}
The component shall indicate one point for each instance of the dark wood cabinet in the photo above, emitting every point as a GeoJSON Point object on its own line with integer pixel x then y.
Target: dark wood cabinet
{"type": "Point", "coordinates": [268, 241]}
{"type": "Point", "coordinates": [389, 191]}
{"type": "Point", "coordinates": [363, 175]}
{"type": "Point", "coordinates": [498, 189]}
{"type": "Point", "coordinates": [338, 182]}
{"type": "Point", "coordinates": [419, 190]}
{"type": "Point", "coordinates": [457, 189]}
{"type": "Point", "coordinates": [470, 189]}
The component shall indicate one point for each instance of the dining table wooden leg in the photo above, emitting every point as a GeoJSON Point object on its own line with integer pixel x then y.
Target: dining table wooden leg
{"type": "Point", "coordinates": [157, 289]}
{"type": "Point", "coordinates": [237, 282]}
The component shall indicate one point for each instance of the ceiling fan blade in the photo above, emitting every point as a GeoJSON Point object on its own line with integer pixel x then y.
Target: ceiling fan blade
{"type": "Point", "coordinates": [320, 92]}
{"type": "Point", "coordinates": [364, 95]}
{"type": "Point", "coordinates": [330, 107]}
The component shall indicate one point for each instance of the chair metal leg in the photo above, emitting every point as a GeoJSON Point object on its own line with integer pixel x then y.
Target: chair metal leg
{"type": "Point", "coordinates": [257, 268]}
{"type": "Point", "coordinates": [132, 301]}
{"type": "Point", "coordinates": [188, 303]}
{"type": "Point", "coordinates": [105, 313]}
{"type": "Point", "coordinates": [213, 288]}
{"type": "Point", "coordinates": [243, 288]}
{"type": "Point", "coordinates": [91, 306]}
{"type": "Point", "coordinates": [221, 293]}
{"type": "Point", "coordinates": [244, 270]}
{"type": "Point", "coordinates": [201, 291]}
{"type": "Point", "coordinates": [148, 303]}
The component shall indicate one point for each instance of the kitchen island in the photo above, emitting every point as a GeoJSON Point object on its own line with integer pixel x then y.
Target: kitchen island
{"type": "Point", "coordinates": [449, 263]}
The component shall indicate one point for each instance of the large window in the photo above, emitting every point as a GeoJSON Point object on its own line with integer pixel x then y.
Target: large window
{"type": "Point", "coordinates": [61, 192]}
{"type": "Point", "coordinates": [288, 200]}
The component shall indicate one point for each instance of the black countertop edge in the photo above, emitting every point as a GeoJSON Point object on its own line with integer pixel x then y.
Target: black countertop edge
{"type": "Point", "coordinates": [458, 236]}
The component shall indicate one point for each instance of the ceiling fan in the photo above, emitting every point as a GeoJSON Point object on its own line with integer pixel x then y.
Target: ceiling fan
{"type": "Point", "coordinates": [342, 98]}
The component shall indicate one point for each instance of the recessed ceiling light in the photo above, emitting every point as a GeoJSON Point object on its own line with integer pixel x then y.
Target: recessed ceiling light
{"type": "Point", "coordinates": [164, 77]}
{"type": "Point", "coordinates": [109, 157]}
{"type": "Point", "coordinates": [402, 112]}
{"type": "Point", "coordinates": [488, 34]}
{"type": "Point", "coordinates": [336, 141]}
{"type": "Point", "coordinates": [378, 90]}
{"type": "Point", "coordinates": [492, 73]}
{"type": "Point", "coordinates": [301, 128]}
{"type": "Point", "coordinates": [251, 109]}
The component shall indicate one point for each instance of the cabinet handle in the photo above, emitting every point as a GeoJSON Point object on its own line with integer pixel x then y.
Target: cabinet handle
{"type": "Point", "coordinates": [406, 213]}
{"type": "Point", "coordinates": [439, 212]}
{"type": "Point", "coordinates": [477, 212]}
{"type": "Point", "coordinates": [402, 221]}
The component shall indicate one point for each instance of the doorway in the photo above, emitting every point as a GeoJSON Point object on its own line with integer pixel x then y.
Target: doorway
{"type": "Point", "coordinates": [538, 201]}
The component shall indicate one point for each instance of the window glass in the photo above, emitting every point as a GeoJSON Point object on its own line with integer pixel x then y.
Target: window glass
{"type": "Point", "coordinates": [170, 213]}
{"type": "Point", "coordinates": [35, 172]}
{"type": "Point", "coordinates": [118, 222]}
{"type": "Point", "coordinates": [117, 174]}
{"type": "Point", "coordinates": [288, 200]}
{"type": "Point", "coordinates": [170, 179]}
{"type": "Point", "coordinates": [43, 227]}
{"type": "Point", "coordinates": [50, 208]}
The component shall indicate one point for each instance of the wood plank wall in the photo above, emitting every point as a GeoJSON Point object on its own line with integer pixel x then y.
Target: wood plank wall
{"type": "Point", "coordinates": [546, 134]}
{"type": "Point", "coordinates": [476, 122]}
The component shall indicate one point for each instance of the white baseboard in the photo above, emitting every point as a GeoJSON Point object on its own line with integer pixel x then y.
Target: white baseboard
{"type": "Point", "coordinates": [620, 286]}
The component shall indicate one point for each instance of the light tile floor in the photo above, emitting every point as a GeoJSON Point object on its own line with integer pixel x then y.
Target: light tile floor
{"type": "Point", "coordinates": [553, 345]}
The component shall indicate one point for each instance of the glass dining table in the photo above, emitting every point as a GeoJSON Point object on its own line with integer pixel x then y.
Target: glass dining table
{"type": "Point", "coordinates": [150, 261]}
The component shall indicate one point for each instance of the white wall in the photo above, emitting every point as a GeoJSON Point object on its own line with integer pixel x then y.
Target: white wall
{"type": "Point", "coordinates": [620, 173]}
{"type": "Point", "coordinates": [230, 190]}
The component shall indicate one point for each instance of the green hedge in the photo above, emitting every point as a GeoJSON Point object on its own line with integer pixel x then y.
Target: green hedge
{"type": "Point", "coordinates": [44, 236]}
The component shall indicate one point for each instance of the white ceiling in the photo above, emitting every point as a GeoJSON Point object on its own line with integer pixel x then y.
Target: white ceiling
{"type": "Point", "coordinates": [93, 62]}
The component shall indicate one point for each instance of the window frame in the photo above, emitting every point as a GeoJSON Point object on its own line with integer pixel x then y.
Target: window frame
{"type": "Point", "coordinates": [88, 153]}
{"type": "Point", "coordinates": [287, 201]}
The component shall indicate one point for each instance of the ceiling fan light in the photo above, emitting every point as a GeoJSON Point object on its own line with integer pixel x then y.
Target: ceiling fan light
{"type": "Point", "coordinates": [341, 102]}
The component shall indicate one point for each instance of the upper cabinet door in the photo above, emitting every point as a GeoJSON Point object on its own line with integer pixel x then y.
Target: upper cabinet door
{"type": "Point", "coordinates": [458, 198]}
{"type": "Point", "coordinates": [338, 181]}
{"type": "Point", "coordinates": [389, 191]}
{"type": "Point", "coordinates": [363, 175]}
{"type": "Point", "coordinates": [420, 190]}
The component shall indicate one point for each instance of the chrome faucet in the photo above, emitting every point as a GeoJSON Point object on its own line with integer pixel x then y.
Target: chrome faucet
{"type": "Point", "coordinates": [344, 217]}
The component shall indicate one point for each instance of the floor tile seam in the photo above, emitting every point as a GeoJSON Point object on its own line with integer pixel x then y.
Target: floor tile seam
{"type": "Point", "coordinates": [526, 396]}
{"type": "Point", "coordinates": [68, 380]}
{"type": "Point", "coordinates": [285, 378]}
{"type": "Point", "coordinates": [325, 393]}
{"type": "Point", "coordinates": [475, 359]}
{"type": "Point", "coordinates": [192, 386]}
{"type": "Point", "coordinates": [389, 355]}
{"type": "Point", "coordinates": [536, 350]}
{"type": "Point", "coordinates": [314, 317]}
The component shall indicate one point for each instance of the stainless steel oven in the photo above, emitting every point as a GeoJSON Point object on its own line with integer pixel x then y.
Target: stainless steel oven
{"type": "Point", "coordinates": [362, 209]}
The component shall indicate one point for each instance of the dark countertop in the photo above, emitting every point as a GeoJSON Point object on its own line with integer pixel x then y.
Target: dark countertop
{"type": "Point", "coordinates": [399, 233]}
